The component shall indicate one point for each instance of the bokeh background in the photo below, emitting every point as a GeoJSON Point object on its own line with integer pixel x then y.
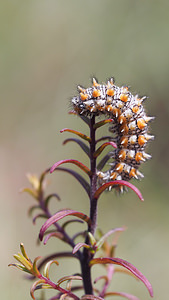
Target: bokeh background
{"type": "Point", "coordinates": [46, 49]}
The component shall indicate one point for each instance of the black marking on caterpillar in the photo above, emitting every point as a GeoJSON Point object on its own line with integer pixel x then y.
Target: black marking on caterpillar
{"type": "Point", "coordinates": [130, 126]}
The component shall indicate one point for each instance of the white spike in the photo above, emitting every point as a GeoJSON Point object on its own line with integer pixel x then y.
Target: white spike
{"type": "Point", "coordinates": [94, 82]}
{"type": "Point", "coordinates": [140, 174]}
{"type": "Point", "coordinates": [121, 189]}
{"type": "Point", "coordinates": [149, 137]}
{"type": "Point", "coordinates": [112, 81]}
{"type": "Point", "coordinates": [121, 121]}
{"type": "Point", "coordinates": [143, 98]}
{"type": "Point", "coordinates": [108, 84]}
{"type": "Point", "coordinates": [117, 114]}
{"type": "Point", "coordinates": [146, 155]}
{"type": "Point", "coordinates": [147, 119]}
{"type": "Point", "coordinates": [81, 89]}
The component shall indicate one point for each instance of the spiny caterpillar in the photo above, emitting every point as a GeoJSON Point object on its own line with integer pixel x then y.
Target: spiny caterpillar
{"type": "Point", "coordinates": [130, 126]}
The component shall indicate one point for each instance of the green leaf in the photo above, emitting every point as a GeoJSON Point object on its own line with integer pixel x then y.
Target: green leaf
{"type": "Point", "coordinates": [47, 267]}
{"type": "Point", "coordinates": [81, 135]}
{"type": "Point", "coordinates": [101, 123]}
{"type": "Point", "coordinates": [80, 245]}
{"type": "Point", "coordinates": [91, 238]}
{"type": "Point", "coordinates": [101, 148]}
{"type": "Point", "coordinates": [105, 236]}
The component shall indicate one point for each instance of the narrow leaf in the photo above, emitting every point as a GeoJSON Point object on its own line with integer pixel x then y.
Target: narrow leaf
{"type": "Point", "coordinates": [101, 189]}
{"type": "Point", "coordinates": [48, 198]}
{"type": "Point", "coordinates": [55, 256]}
{"type": "Point", "coordinates": [60, 215]}
{"type": "Point", "coordinates": [101, 123]}
{"type": "Point", "coordinates": [105, 236]}
{"type": "Point", "coordinates": [39, 216]}
{"type": "Point", "coordinates": [71, 221]}
{"type": "Point", "coordinates": [83, 146]}
{"type": "Point", "coordinates": [83, 136]}
{"type": "Point", "coordinates": [19, 257]}
{"type": "Point", "coordinates": [101, 148]}
{"type": "Point", "coordinates": [32, 208]}
{"type": "Point", "coordinates": [65, 278]}
{"type": "Point", "coordinates": [42, 178]}
{"type": "Point", "coordinates": [125, 295]}
{"type": "Point", "coordinates": [20, 268]}
{"type": "Point", "coordinates": [91, 239]}
{"type": "Point", "coordinates": [103, 138]}
{"type": "Point", "coordinates": [80, 245]}
{"type": "Point", "coordinates": [127, 265]}
{"type": "Point", "coordinates": [85, 119]}
{"type": "Point", "coordinates": [47, 267]}
{"type": "Point", "coordinates": [103, 161]}
{"type": "Point", "coordinates": [101, 277]}
{"type": "Point", "coordinates": [79, 178]}
{"type": "Point", "coordinates": [72, 161]}
{"type": "Point", "coordinates": [31, 192]}
{"type": "Point", "coordinates": [58, 235]}
{"type": "Point", "coordinates": [34, 287]}
{"type": "Point", "coordinates": [91, 297]}
{"type": "Point", "coordinates": [35, 269]}
{"type": "Point", "coordinates": [23, 251]}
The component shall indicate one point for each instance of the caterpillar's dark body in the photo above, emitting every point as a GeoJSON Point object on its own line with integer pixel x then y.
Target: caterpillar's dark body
{"type": "Point", "coordinates": [130, 126]}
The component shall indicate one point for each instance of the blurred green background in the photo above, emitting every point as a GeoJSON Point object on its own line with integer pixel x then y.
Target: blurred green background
{"type": "Point", "coordinates": [46, 49]}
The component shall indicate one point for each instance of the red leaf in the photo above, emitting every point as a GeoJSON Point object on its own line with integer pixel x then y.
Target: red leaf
{"type": "Point", "coordinates": [72, 161]}
{"type": "Point", "coordinates": [125, 295]}
{"type": "Point", "coordinates": [60, 215]}
{"type": "Point", "coordinates": [127, 265]}
{"type": "Point", "coordinates": [117, 182]}
{"type": "Point", "coordinates": [91, 297]}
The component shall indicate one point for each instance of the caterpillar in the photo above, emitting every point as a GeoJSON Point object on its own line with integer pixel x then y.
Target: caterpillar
{"type": "Point", "coordinates": [130, 126]}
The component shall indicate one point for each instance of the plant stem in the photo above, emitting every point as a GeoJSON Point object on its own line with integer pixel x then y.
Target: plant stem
{"type": "Point", "coordinates": [87, 256]}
